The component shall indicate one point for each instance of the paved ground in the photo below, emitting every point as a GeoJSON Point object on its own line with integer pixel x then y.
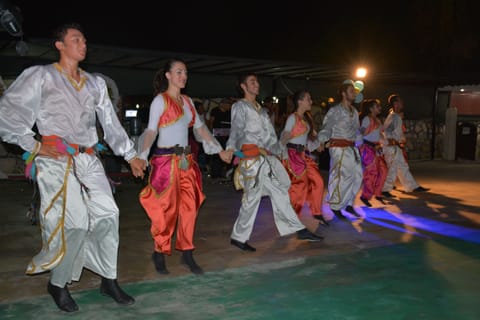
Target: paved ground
{"type": "Point", "coordinates": [451, 210]}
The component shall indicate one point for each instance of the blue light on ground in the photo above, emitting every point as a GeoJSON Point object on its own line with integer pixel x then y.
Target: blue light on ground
{"type": "Point", "coordinates": [386, 219]}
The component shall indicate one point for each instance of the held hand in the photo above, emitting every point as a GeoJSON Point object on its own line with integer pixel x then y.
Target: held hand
{"type": "Point", "coordinates": [321, 147]}
{"type": "Point", "coordinates": [226, 155]}
{"type": "Point", "coordinates": [138, 167]}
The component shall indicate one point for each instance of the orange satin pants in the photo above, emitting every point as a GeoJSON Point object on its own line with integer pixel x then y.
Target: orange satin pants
{"type": "Point", "coordinates": [171, 200]}
{"type": "Point", "coordinates": [306, 187]}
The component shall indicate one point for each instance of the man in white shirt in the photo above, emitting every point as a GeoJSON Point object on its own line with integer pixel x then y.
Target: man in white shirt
{"type": "Point", "coordinates": [393, 150]}
{"type": "Point", "coordinates": [260, 172]}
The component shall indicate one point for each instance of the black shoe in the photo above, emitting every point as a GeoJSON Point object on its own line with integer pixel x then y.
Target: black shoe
{"type": "Point", "coordinates": [322, 219]}
{"type": "Point", "coordinates": [338, 214]}
{"type": "Point", "coordinates": [159, 261]}
{"type": "Point", "coordinates": [381, 199]}
{"type": "Point", "coordinates": [187, 259]}
{"type": "Point", "coordinates": [62, 298]}
{"type": "Point", "coordinates": [420, 189]}
{"type": "Point", "coordinates": [350, 209]}
{"type": "Point", "coordinates": [306, 234]}
{"type": "Point", "coordinates": [242, 245]}
{"type": "Point", "coordinates": [366, 202]}
{"type": "Point", "coordinates": [387, 194]}
{"type": "Point", "coordinates": [110, 287]}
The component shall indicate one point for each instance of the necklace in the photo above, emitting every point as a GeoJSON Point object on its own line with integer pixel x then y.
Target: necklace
{"type": "Point", "coordinates": [78, 85]}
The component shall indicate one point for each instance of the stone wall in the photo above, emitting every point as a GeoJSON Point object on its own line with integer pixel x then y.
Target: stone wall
{"type": "Point", "coordinates": [419, 144]}
{"type": "Point", "coordinates": [419, 139]}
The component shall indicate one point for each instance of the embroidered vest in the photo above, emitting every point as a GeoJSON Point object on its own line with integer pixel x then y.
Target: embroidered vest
{"type": "Point", "coordinates": [374, 124]}
{"type": "Point", "coordinates": [300, 127]}
{"type": "Point", "coordinates": [173, 112]}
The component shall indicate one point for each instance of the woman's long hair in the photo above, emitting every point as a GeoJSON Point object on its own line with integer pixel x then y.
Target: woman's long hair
{"type": "Point", "coordinates": [160, 81]}
{"type": "Point", "coordinates": [307, 115]}
{"type": "Point", "coordinates": [366, 107]}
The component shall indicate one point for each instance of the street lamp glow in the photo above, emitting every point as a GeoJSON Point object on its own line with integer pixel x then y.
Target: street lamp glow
{"type": "Point", "coordinates": [361, 72]}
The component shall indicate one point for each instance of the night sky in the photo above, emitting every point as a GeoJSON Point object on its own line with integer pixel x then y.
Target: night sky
{"type": "Point", "coordinates": [417, 36]}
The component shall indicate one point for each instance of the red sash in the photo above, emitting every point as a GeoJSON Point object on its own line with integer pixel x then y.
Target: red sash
{"type": "Point", "coordinates": [342, 143]}
{"type": "Point", "coordinates": [61, 146]}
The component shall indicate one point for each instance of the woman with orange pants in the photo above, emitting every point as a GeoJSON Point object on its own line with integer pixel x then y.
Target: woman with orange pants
{"type": "Point", "coordinates": [300, 138]}
{"type": "Point", "coordinates": [174, 191]}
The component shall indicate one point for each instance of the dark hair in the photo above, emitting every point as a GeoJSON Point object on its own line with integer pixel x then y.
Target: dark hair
{"type": "Point", "coordinates": [61, 31]}
{"type": "Point", "coordinates": [160, 82]}
{"type": "Point", "coordinates": [343, 89]}
{"type": "Point", "coordinates": [242, 78]}
{"type": "Point", "coordinates": [299, 95]}
{"type": "Point", "coordinates": [366, 107]}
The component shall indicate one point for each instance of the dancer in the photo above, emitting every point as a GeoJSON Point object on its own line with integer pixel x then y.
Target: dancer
{"type": "Point", "coordinates": [374, 166]}
{"type": "Point", "coordinates": [174, 191]}
{"type": "Point", "coordinates": [393, 150]}
{"type": "Point", "coordinates": [300, 138]}
{"type": "Point", "coordinates": [341, 129]}
{"type": "Point", "coordinates": [259, 172]}
{"type": "Point", "coordinates": [78, 214]}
